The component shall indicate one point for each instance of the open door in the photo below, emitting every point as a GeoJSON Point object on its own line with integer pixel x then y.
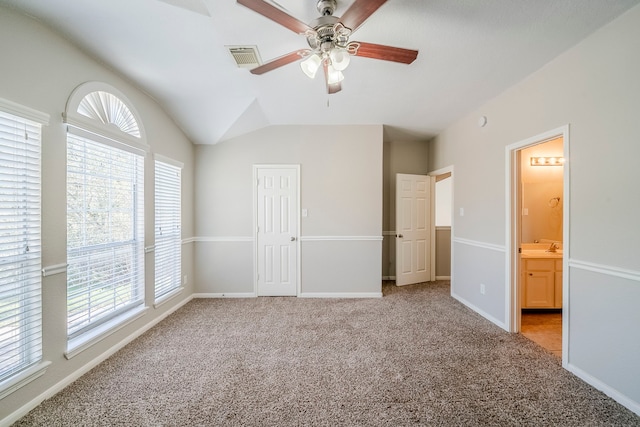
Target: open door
{"type": "Point", "coordinates": [413, 229]}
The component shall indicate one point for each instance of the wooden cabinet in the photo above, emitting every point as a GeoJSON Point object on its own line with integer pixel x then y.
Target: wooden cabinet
{"type": "Point", "coordinates": [541, 283]}
{"type": "Point", "coordinates": [558, 284]}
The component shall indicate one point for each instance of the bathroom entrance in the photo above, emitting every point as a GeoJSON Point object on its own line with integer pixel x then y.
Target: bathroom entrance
{"type": "Point", "coordinates": [538, 246]}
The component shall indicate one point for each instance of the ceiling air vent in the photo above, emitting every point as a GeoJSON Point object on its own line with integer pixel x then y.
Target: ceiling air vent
{"type": "Point", "coordinates": [245, 56]}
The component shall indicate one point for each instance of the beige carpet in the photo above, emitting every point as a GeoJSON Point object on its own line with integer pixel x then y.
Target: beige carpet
{"type": "Point", "coordinates": [415, 356]}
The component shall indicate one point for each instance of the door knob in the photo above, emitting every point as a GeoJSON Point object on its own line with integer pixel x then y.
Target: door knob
{"type": "Point", "coordinates": [400, 236]}
{"type": "Point", "coordinates": [293, 239]}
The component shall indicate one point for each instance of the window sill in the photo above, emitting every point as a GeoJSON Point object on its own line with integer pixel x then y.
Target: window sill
{"type": "Point", "coordinates": [77, 345]}
{"type": "Point", "coordinates": [166, 297]}
{"type": "Point", "coordinates": [22, 379]}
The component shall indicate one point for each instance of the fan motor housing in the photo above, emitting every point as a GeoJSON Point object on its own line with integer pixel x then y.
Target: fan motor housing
{"type": "Point", "coordinates": [324, 31]}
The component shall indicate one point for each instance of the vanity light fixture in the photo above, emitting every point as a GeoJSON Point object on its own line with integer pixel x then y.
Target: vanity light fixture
{"type": "Point", "coordinates": [547, 161]}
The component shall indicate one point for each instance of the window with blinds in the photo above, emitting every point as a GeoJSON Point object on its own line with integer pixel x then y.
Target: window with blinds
{"type": "Point", "coordinates": [20, 269]}
{"type": "Point", "coordinates": [168, 235]}
{"type": "Point", "coordinates": [105, 233]}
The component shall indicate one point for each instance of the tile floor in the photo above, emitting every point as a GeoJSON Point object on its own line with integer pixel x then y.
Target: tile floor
{"type": "Point", "coordinates": [543, 327]}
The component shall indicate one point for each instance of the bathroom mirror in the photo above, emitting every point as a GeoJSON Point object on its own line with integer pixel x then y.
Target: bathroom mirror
{"type": "Point", "coordinates": [542, 197]}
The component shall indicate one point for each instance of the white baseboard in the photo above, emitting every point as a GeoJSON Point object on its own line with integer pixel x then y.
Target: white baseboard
{"type": "Point", "coordinates": [51, 391]}
{"type": "Point", "coordinates": [340, 295]}
{"type": "Point", "coordinates": [225, 295]}
{"type": "Point", "coordinates": [611, 392]}
{"type": "Point", "coordinates": [302, 295]}
{"type": "Point", "coordinates": [480, 312]}
{"type": "Point", "coordinates": [437, 277]}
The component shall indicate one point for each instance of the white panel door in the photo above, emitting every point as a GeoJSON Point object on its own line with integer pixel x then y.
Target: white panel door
{"type": "Point", "coordinates": [277, 231]}
{"type": "Point", "coordinates": [413, 233]}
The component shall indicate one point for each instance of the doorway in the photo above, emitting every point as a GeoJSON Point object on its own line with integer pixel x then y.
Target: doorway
{"type": "Point", "coordinates": [277, 224]}
{"type": "Point", "coordinates": [537, 241]}
{"type": "Point", "coordinates": [442, 180]}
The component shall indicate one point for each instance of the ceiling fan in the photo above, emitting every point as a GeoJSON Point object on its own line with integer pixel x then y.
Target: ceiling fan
{"type": "Point", "coordinates": [328, 39]}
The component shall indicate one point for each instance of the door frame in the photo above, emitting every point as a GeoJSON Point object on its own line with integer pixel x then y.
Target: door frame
{"type": "Point", "coordinates": [254, 184]}
{"type": "Point", "coordinates": [434, 174]}
{"type": "Point", "coordinates": [513, 224]}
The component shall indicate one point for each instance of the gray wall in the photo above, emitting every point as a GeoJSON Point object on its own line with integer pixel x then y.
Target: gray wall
{"type": "Point", "coordinates": [340, 186]}
{"type": "Point", "coordinates": [40, 70]}
{"type": "Point", "coordinates": [443, 252]}
{"type": "Point", "coordinates": [410, 157]}
{"type": "Point", "coordinates": [595, 89]}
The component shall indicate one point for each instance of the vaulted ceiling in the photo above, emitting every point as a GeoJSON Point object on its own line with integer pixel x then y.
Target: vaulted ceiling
{"type": "Point", "coordinates": [176, 50]}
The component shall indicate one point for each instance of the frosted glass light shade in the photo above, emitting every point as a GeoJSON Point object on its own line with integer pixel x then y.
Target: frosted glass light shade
{"type": "Point", "coordinates": [334, 76]}
{"type": "Point", "coordinates": [340, 58]}
{"type": "Point", "coordinates": [310, 65]}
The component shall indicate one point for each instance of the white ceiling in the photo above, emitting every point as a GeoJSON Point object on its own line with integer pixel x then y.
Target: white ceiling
{"type": "Point", "coordinates": [470, 51]}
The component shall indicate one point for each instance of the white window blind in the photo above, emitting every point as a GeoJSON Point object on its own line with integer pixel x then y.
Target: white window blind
{"type": "Point", "coordinates": [105, 233]}
{"type": "Point", "coordinates": [168, 235]}
{"type": "Point", "coordinates": [20, 269]}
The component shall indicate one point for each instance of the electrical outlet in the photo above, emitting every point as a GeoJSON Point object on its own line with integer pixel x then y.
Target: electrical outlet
{"type": "Point", "coordinates": [482, 288]}
{"type": "Point", "coordinates": [184, 279]}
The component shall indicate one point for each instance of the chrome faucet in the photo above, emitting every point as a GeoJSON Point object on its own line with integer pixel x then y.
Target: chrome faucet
{"type": "Point", "coordinates": [553, 248]}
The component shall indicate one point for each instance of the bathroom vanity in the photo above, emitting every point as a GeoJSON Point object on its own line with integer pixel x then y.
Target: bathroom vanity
{"type": "Point", "coordinates": [541, 279]}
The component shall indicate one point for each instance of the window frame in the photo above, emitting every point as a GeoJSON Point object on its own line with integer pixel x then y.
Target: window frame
{"type": "Point", "coordinates": [170, 204]}
{"type": "Point", "coordinates": [112, 249]}
{"type": "Point", "coordinates": [103, 130]}
{"type": "Point", "coordinates": [23, 201]}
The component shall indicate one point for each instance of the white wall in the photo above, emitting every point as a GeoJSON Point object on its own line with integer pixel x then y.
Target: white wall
{"type": "Point", "coordinates": [595, 89]}
{"type": "Point", "coordinates": [443, 202]}
{"type": "Point", "coordinates": [40, 70]}
{"type": "Point", "coordinates": [340, 186]}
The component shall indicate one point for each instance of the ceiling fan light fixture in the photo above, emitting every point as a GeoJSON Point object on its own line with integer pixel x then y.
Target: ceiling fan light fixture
{"type": "Point", "coordinates": [328, 39]}
{"type": "Point", "coordinates": [311, 65]}
{"type": "Point", "coordinates": [340, 58]}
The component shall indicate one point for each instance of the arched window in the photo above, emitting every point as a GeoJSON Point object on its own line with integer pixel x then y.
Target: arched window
{"type": "Point", "coordinates": [108, 109]}
{"type": "Point", "coordinates": [105, 112]}
{"type": "Point", "coordinates": [105, 216]}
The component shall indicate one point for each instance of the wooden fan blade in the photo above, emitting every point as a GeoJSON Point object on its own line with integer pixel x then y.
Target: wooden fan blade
{"type": "Point", "coordinates": [281, 61]}
{"type": "Point", "coordinates": [276, 15]}
{"type": "Point", "coordinates": [387, 53]}
{"type": "Point", "coordinates": [333, 87]}
{"type": "Point", "coordinates": [359, 11]}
